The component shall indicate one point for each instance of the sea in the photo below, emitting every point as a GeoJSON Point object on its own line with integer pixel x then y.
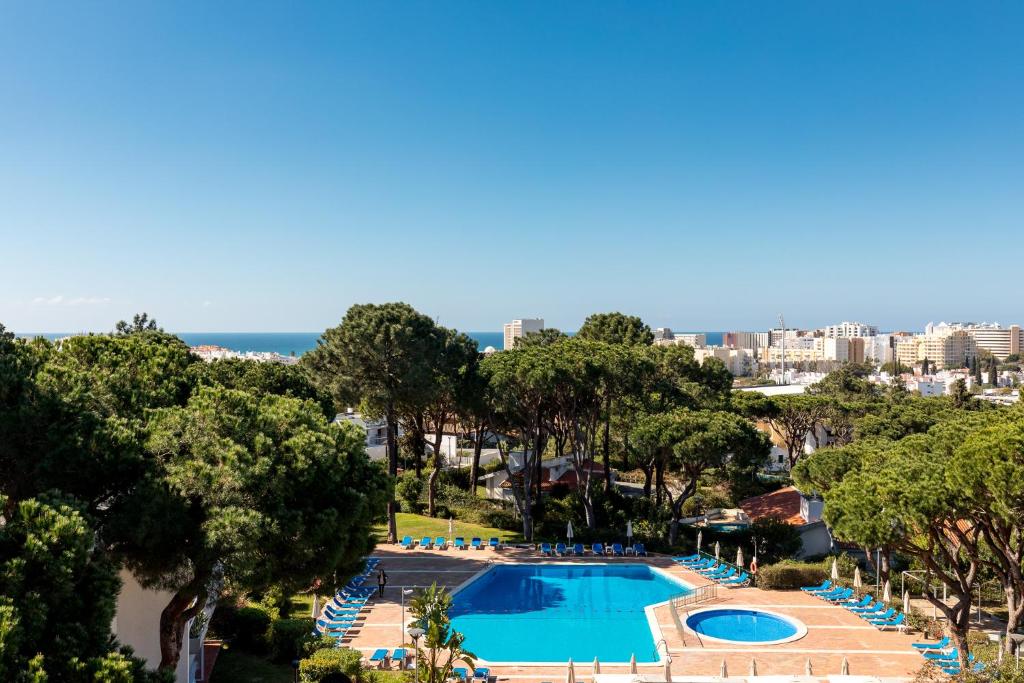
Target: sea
{"type": "Point", "coordinates": [297, 343]}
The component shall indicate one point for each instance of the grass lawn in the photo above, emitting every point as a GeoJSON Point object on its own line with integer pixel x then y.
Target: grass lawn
{"type": "Point", "coordinates": [419, 526]}
{"type": "Point", "coordinates": [234, 666]}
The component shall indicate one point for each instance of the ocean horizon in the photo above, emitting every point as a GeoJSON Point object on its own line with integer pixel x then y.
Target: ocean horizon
{"type": "Point", "coordinates": [297, 343]}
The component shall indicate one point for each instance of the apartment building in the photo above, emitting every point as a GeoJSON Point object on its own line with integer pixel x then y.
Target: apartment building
{"type": "Point", "coordinates": [949, 348]}
{"type": "Point", "coordinates": [848, 329]}
{"type": "Point", "coordinates": [520, 328]}
{"type": "Point", "coordinates": [745, 340]}
{"type": "Point", "coordinates": [697, 341]}
{"type": "Point", "coordinates": [739, 362]}
{"type": "Point", "coordinates": [992, 337]}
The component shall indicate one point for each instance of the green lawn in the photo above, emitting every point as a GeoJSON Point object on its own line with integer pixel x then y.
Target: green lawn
{"type": "Point", "coordinates": [234, 666]}
{"type": "Point", "coordinates": [419, 526]}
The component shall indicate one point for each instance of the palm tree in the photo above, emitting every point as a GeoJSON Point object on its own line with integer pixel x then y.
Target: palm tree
{"type": "Point", "coordinates": [442, 645]}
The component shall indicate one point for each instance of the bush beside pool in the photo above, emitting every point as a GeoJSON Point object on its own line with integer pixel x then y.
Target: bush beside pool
{"type": "Point", "coordinates": [747, 626]}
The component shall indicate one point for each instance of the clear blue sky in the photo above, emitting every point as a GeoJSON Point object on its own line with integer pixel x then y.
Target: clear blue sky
{"type": "Point", "coordinates": [255, 166]}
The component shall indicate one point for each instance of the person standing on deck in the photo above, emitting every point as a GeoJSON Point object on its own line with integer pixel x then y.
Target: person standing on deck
{"type": "Point", "coordinates": [382, 580]}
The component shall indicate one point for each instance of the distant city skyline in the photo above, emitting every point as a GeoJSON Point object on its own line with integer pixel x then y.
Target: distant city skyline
{"type": "Point", "coordinates": [263, 166]}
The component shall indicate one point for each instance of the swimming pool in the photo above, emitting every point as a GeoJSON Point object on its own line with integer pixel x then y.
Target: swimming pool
{"type": "Point", "coordinates": [551, 612]}
{"type": "Point", "coordinates": [745, 626]}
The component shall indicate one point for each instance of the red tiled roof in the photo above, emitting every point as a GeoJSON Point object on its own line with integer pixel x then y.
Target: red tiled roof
{"type": "Point", "coordinates": [783, 505]}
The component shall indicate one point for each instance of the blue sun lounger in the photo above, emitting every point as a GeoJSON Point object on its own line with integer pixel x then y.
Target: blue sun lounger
{"type": "Point", "coordinates": [950, 656]}
{"type": "Point", "coordinates": [481, 673]}
{"type": "Point", "coordinates": [560, 549]}
{"type": "Point", "coordinates": [545, 548]}
{"type": "Point", "coordinates": [401, 657]}
{"type": "Point", "coordinates": [379, 657]}
{"type": "Point", "coordinates": [494, 543]}
{"type": "Point", "coordinates": [408, 543]}
{"type": "Point", "coordinates": [460, 673]}
{"type": "Point", "coordinates": [639, 550]}
{"type": "Point", "coordinates": [617, 550]}
{"type": "Point", "coordinates": [476, 543]}
{"type": "Point", "coordinates": [939, 645]}
{"type": "Point", "coordinates": [426, 542]}
{"type": "Point", "coordinates": [736, 581]}
{"type": "Point", "coordinates": [597, 549]}
{"type": "Point", "coordinates": [687, 558]}
{"type": "Point", "coordinates": [884, 616]}
{"type": "Point", "coordinates": [825, 586]}
{"type": "Point", "coordinates": [460, 543]}
{"type": "Point", "coordinates": [896, 622]}
{"type": "Point", "coordinates": [577, 549]}
{"type": "Point", "coordinates": [440, 542]}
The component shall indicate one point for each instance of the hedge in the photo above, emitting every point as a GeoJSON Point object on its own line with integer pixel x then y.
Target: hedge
{"type": "Point", "coordinates": [287, 638]}
{"type": "Point", "coordinates": [243, 627]}
{"type": "Point", "coordinates": [334, 660]}
{"type": "Point", "coordinates": [789, 575]}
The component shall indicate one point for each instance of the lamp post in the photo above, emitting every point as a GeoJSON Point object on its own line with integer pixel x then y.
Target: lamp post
{"type": "Point", "coordinates": [405, 591]}
{"type": "Point", "coordinates": [415, 634]}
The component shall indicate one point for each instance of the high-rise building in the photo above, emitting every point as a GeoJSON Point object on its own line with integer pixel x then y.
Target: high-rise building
{"type": "Point", "coordinates": [520, 328]}
{"type": "Point", "coordinates": [847, 329]}
{"type": "Point", "coordinates": [663, 333]}
{"type": "Point", "coordinates": [949, 348]}
{"type": "Point", "coordinates": [992, 337]}
{"type": "Point", "coordinates": [745, 340]}
{"type": "Point", "coordinates": [697, 341]}
{"type": "Point", "coordinates": [790, 333]}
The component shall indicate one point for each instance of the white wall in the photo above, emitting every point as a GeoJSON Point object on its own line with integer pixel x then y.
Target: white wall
{"type": "Point", "coordinates": [137, 623]}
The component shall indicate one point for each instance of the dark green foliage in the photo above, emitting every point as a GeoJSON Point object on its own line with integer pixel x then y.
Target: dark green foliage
{"type": "Point", "coordinates": [790, 575]}
{"type": "Point", "coordinates": [243, 627]}
{"type": "Point", "coordinates": [263, 378]}
{"type": "Point", "coordinates": [288, 638]}
{"type": "Point", "coordinates": [409, 489]}
{"type": "Point", "coordinates": [616, 328]}
{"type": "Point", "coordinates": [58, 594]}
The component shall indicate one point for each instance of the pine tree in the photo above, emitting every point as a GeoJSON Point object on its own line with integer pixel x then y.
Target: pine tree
{"type": "Point", "coordinates": [977, 370]}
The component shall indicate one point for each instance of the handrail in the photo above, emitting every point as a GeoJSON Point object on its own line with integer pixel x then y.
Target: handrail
{"type": "Point", "coordinates": [697, 595]}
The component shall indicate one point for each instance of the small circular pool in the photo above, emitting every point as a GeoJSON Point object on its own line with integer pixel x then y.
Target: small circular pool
{"type": "Point", "coordinates": [745, 626]}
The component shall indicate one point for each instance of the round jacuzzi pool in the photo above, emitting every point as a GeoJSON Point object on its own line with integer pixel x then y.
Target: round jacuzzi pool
{"type": "Point", "coordinates": [745, 626]}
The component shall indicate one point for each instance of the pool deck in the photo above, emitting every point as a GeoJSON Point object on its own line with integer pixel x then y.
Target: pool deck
{"type": "Point", "coordinates": [832, 632]}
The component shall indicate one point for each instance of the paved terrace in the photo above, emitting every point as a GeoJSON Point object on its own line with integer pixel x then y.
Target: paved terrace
{"type": "Point", "coordinates": [832, 632]}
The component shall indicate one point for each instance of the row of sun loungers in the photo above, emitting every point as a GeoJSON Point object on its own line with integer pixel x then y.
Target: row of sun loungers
{"type": "Point", "coordinates": [943, 655]}
{"type": "Point", "coordinates": [579, 550]}
{"type": "Point", "coordinates": [721, 573]}
{"type": "Point", "coordinates": [339, 615]}
{"type": "Point", "coordinates": [441, 542]}
{"type": "Point", "coordinates": [877, 614]}
{"type": "Point", "coordinates": [481, 674]}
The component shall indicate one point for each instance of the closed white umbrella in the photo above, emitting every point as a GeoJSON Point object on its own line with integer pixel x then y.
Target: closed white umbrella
{"type": "Point", "coordinates": [700, 537]}
{"type": "Point", "coordinates": [807, 668]}
{"type": "Point", "coordinates": [316, 606]}
{"type": "Point", "coordinates": [906, 601]}
{"type": "Point", "coordinates": [668, 670]}
{"type": "Point", "coordinates": [724, 673]}
{"type": "Point", "coordinates": [629, 528]}
{"type": "Point", "coordinates": [739, 558]}
{"type": "Point", "coordinates": [835, 570]}
{"type": "Point", "coordinates": [886, 592]}
{"type": "Point", "coordinates": [718, 550]}
{"type": "Point", "coordinates": [845, 669]}
{"type": "Point", "coordinates": [632, 663]}
{"type": "Point", "coordinates": [856, 578]}
{"type": "Point", "coordinates": [597, 666]}
{"type": "Point", "coordinates": [753, 666]}
{"type": "Point", "coordinates": [451, 527]}
{"type": "Point", "coordinates": [568, 531]}
{"type": "Point", "coordinates": [570, 673]}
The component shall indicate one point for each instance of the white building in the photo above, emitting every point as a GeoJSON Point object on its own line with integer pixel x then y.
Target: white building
{"type": "Point", "coordinates": [697, 341]}
{"type": "Point", "coordinates": [137, 624]}
{"type": "Point", "coordinates": [376, 432]}
{"type": "Point", "coordinates": [520, 328]}
{"type": "Point", "coordinates": [739, 362]}
{"type": "Point", "coordinates": [848, 329]}
{"type": "Point", "coordinates": [745, 340]}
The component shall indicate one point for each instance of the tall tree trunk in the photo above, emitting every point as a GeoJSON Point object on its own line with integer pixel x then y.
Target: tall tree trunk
{"type": "Point", "coordinates": [432, 480]}
{"type": "Point", "coordinates": [659, 482]}
{"type": "Point", "coordinates": [173, 619]}
{"type": "Point", "coordinates": [607, 446]}
{"type": "Point", "coordinates": [392, 423]}
{"type": "Point", "coordinates": [474, 467]}
{"type": "Point", "coordinates": [648, 478]}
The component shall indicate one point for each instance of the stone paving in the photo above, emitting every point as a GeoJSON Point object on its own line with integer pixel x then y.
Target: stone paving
{"type": "Point", "coordinates": [832, 632]}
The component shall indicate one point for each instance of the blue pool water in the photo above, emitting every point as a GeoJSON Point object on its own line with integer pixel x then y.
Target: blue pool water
{"type": "Point", "coordinates": [742, 625]}
{"type": "Point", "coordinates": [551, 612]}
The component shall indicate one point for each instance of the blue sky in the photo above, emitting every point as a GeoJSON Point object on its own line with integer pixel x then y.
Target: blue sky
{"type": "Point", "coordinates": [261, 166]}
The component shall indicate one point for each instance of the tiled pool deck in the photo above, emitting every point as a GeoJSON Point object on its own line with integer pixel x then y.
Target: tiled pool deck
{"type": "Point", "coordinates": [832, 632]}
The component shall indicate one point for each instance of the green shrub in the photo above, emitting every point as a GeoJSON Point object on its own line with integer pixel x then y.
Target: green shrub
{"type": "Point", "coordinates": [287, 638]}
{"type": "Point", "coordinates": [328, 661]}
{"type": "Point", "coordinates": [408, 490]}
{"type": "Point", "coordinates": [789, 575]}
{"type": "Point", "coordinates": [242, 627]}
{"type": "Point", "coordinates": [250, 631]}
{"type": "Point", "coordinates": [500, 518]}
{"type": "Point", "coordinates": [314, 643]}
